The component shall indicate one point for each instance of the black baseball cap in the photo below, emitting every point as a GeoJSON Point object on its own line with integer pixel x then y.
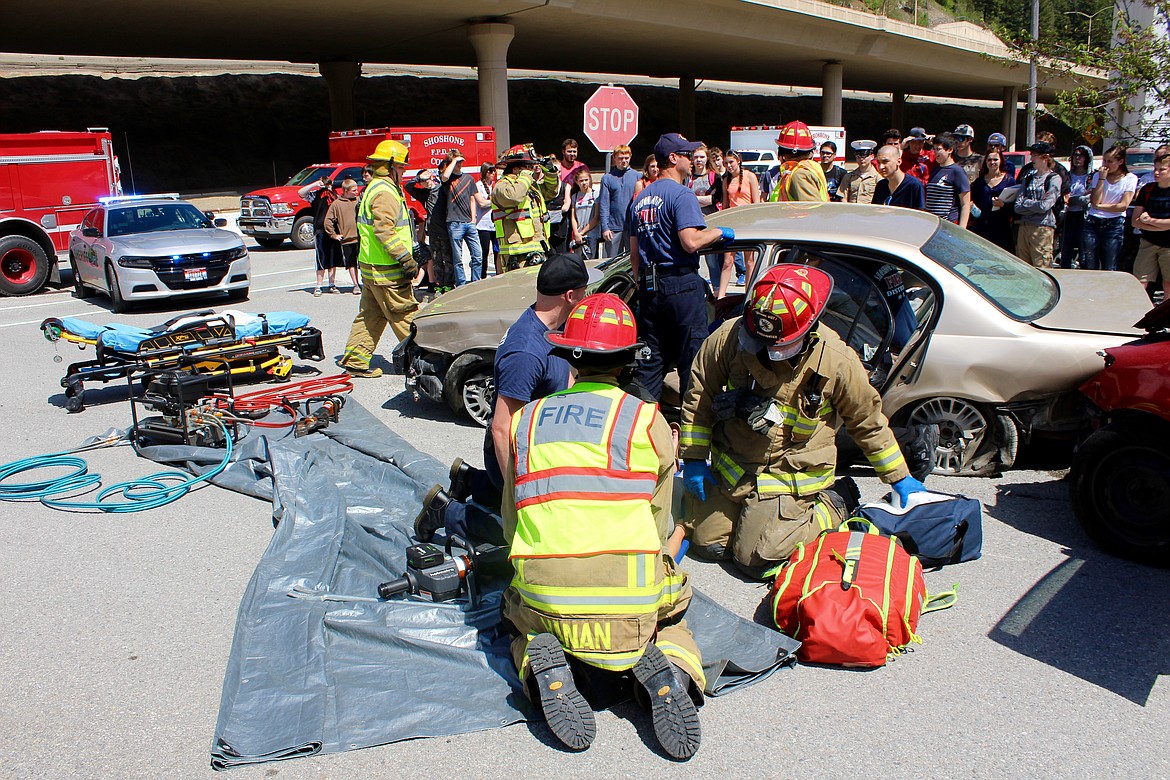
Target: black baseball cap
{"type": "Point", "coordinates": [1042, 147]}
{"type": "Point", "coordinates": [673, 143]}
{"type": "Point", "coordinates": [561, 273]}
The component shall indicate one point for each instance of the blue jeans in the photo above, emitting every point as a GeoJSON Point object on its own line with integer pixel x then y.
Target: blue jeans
{"type": "Point", "coordinates": [1101, 242]}
{"type": "Point", "coordinates": [460, 231]}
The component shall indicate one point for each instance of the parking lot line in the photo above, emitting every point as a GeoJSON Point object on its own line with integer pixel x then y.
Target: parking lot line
{"type": "Point", "coordinates": [38, 322]}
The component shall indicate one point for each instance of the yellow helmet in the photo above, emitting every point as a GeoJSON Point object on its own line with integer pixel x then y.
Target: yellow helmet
{"type": "Point", "coordinates": [391, 151]}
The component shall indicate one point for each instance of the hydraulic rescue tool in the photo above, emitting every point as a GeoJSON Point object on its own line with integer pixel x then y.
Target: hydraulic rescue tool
{"type": "Point", "coordinates": [435, 574]}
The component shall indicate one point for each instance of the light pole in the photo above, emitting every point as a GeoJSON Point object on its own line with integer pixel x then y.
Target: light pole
{"type": "Point", "coordinates": [1090, 17]}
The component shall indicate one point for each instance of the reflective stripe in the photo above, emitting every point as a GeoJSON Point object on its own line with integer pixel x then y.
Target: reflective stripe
{"type": "Point", "coordinates": [614, 662]}
{"type": "Point", "coordinates": [511, 214]}
{"type": "Point", "coordinates": [580, 600]}
{"type": "Point", "coordinates": [604, 484]}
{"type": "Point", "coordinates": [688, 659]}
{"type": "Point", "coordinates": [887, 460]}
{"type": "Point", "coordinates": [622, 432]}
{"type": "Point", "coordinates": [694, 436]}
{"type": "Point", "coordinates": [523, 436]}
{"type": "Point", "coordinates": [823, 518]}
{"type": "Point", "coordinates": [795, 484]}
{"type": "Point", "coordinates": [727, 468]}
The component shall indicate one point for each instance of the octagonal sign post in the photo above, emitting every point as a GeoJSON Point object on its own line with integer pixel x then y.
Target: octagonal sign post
{"type": "Point", "coordinates": [611, 118]}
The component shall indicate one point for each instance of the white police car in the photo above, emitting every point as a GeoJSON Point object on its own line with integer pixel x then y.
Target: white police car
{"type": "Point", "coordinates": [151, 247]}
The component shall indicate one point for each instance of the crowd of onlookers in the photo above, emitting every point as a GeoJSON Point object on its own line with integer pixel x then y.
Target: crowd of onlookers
{"type": "Point", "coordinates": [1047, 213]}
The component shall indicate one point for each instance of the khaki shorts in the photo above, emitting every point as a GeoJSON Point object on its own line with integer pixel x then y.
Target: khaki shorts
{"type": "Point", "coordinates": [1034, 245]}
{"type": "Point", "coordinates": [1151, 259]}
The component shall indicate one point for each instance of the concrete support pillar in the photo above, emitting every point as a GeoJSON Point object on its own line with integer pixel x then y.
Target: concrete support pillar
{"type": "Point", "coordinates": [832, 74]}
{"type": "Point", "coordinates": [686, 106]}
{"type": "Point", "coordinates": [898, 110]}
{"type": "Point", "coordinates": [340, 76]}
{"type": "Point", "coordinates": [1011, 101]}
{"type": "Point", "coordinates": [490, 41]}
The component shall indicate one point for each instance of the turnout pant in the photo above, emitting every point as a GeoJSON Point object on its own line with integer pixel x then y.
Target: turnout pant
{"type": "Point", "coordinates": [379, 306]}
{"type": "Point", "coordinates": [613, 633]}
{"type": "Point", "coordinates": [758, 531]}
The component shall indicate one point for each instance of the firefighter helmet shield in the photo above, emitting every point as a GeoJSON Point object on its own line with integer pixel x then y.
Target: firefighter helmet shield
{"type": "Point", "coordinates": [601, 323]}
{"type": "Point", "coordinates": [786, 302]}
{"type": "Point", "coordinates": [520, 153]}
{"type": "Point", "coordinates": [795, 137]}
{"type": "Point", "coordinates": [392, 152]}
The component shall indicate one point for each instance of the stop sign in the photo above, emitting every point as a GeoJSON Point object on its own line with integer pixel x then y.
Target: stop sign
{"type": "Point", "coordinates": [611, 118]}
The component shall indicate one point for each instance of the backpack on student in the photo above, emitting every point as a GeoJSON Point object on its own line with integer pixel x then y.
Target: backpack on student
{"type": "Point", "coordinates": [853, 597]}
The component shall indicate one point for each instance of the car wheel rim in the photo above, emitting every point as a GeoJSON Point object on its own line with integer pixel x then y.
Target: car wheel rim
{"type": "Point", "coordinates": [477, 396]}
{"type": "Point", "coordinates": [961, 431]}
{"type": "Point", "coordinates": [18, 265]}
{"type": "Point", "coordinates": [1134, 484]}
{"type": "Point", "coordinates": [306, 232]}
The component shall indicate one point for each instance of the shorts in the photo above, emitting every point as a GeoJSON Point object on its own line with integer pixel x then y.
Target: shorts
{"type": "Point", "coordinates": [1152, 259]}
{"type": "Point", "coordinates": [349, 253]}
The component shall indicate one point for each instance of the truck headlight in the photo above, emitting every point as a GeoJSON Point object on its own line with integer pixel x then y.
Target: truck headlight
{"type": "Point", "coordinates": [132, 261]}
{"type": "Point", "coordinates": [281, 208]}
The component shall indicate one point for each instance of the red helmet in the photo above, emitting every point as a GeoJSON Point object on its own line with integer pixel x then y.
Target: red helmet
{"type": "Point", "coordinates": [600, 323]}
{"type": "Point", "coordinates": [786, 302]}
{"type": "Point", "coordinates": [520, 153]}
{"type": "Point", "coordinates": [796, 137]}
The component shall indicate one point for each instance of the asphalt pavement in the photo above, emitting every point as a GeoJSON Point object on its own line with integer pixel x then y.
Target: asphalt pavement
{"type": "Point", "coordinates": [118, 627]}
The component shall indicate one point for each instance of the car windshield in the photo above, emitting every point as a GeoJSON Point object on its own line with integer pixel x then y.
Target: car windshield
{"type": "Point", "coordinates": [1143, 158]}
{"type": "Point", "coordinates": [309, 175]}
{"type": "Point", "coordinates": [1020, 291]}
{"type": "Point", "coordinates": [153, 218]}
{"type": "Point", "coordinates": [750, 156]}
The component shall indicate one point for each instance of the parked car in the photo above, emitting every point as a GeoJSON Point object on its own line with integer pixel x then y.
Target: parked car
{"type": "Point", "coordinates": [1120, 479]}
{"type": "Point", "coordinates": [983, 345]}
{"type": "Point", "coordinates": [141, 248]}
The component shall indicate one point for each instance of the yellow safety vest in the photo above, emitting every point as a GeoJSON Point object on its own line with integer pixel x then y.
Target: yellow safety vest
{"type": "Point", "coordinates": [780, 188]}
{"type": "Point", "coordinates": [524, 217]}
{"type": "Point", "coordinates": [378, 266]}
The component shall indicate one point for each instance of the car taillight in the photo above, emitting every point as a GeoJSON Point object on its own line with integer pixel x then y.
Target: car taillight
{"type": "Point", "coordinates": [130, 261]}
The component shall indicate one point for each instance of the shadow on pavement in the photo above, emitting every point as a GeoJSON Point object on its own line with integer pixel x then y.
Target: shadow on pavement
{"type": "Point", "coordinates": [1094, 616]}
{"type": "Point", "coordinates": [404, 403]}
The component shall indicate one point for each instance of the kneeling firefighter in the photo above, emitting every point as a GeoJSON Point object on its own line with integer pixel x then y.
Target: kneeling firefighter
{"type": "Point", "coordinates": [767, 390]}
{"type": "Point", "coordinates": [587, 517]}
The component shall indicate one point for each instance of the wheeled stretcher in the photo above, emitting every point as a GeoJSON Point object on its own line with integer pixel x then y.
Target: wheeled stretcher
{"type": "Point", "coordinates": [224, 344]}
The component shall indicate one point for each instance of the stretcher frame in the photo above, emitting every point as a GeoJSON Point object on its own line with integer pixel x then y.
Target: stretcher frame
{"type": "Point", "coordinates": [201, 347]}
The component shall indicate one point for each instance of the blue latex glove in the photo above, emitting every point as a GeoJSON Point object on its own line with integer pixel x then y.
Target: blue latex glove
{"type": "Point", "coordinates": [695, 474]}
{"type": "Point", "coordinates": [728, 236]}
{"type": "Point", "coordinates": [906, 487]}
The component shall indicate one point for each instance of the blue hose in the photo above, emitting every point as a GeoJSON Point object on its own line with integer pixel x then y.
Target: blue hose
{"type": "Point", "coordinates": [141, 494]}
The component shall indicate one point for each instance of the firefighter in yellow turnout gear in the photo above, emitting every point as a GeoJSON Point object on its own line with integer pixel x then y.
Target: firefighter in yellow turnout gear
{"type": "Point", "coordinates": [587, 512]}
{"type": "Point", "coordinates": [518, 205]}
{"type": "Point", "coordinates": [767, 392]}
{"type": "Point", "coordinates": [386, 261]}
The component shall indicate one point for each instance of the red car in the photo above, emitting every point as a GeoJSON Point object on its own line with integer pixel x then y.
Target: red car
{"type": "Point", "coordinates": [1121, 473]}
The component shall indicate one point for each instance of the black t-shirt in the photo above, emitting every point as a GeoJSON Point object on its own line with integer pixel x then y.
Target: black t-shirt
{"type": "Point", "coordinates": [457, 192]}
{"type": "Point", "coordinates": [910, 194]}
{"type": "Point", "coordinates": [1156, 201]}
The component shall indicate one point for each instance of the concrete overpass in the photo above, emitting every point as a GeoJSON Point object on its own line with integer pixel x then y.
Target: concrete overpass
{"type": "Point", "coordinates": [802, 43]}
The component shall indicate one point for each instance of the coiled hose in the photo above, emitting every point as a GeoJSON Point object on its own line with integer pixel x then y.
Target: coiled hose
{"type": "Point", "coordinates": [138, 495]}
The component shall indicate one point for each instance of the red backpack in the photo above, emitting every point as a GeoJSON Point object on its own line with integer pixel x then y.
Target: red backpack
{"type": "Point", "coordinates": [852, 597]}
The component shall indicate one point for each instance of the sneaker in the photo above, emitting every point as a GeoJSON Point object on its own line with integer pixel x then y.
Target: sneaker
{"type": "Point", "coordinates": [676, 720]}
{"type": "Point", "coordinates": [316, 292]}
{"type": "Point", "coordinates": [363, 373]}
{"type": "Point", "coordinates": [433, 514]}
{"type": "Point", "coordinates": [356, 290]}
{"type": "Point", "coordinates": [333, 289]}
{"type": "Point", "coordinates": [569, 716]}
{"type": "Point", "coordinates": [460, 489]}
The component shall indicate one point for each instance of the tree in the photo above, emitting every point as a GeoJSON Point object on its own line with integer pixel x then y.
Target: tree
{"type": "Point", "coordinates": [1135, 65]}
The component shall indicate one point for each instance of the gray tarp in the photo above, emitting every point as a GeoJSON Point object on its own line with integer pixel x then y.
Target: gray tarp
{"type": "Point", "coordinates": [328, 670]}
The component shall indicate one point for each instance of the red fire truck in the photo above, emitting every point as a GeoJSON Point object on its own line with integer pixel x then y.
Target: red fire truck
{"type": "Point", "coordinates": [48, 181]}
{"type": "Point", "coordinates": [273, 214]}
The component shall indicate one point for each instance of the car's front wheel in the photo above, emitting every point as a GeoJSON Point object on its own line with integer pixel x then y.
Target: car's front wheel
{"type": "Point", "coordinates": [469, 387]}
{"type": "Point", "coordinates": [1120, 489]}
{"type": "Point", "coordinates": [302, 235]}
{"type": "Point", "coordinates": [117, 302]}
{"type": "Point", "coordinates": [973, 440]}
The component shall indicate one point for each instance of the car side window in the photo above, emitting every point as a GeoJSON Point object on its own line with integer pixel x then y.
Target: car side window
{"type": "Point", "coordinates": [348, 173]}
{"type": "Point", "coordinates": [857, 310]}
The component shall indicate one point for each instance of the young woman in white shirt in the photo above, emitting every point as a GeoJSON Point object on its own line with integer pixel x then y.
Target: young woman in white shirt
{"type": "Point", "coordinates": [1113, 188]}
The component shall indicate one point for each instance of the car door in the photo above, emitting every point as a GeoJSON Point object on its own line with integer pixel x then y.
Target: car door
{"type": "Point", "coordinates": [85, 251]}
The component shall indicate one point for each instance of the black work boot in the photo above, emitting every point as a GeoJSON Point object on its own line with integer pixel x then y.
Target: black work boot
{"type": "Point", "coordinates": [433, 514]}
{"type": "Point", "coordinates": [460, 489]}
{"type": "Point", "coordinates": [569, 716]}
{"type": "Point", "coordinates": [676, 721]}
{"type": "Point", "coordinates": [845, 495]}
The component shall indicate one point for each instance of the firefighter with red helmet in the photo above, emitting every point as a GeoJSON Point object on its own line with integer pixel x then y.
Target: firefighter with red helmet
{"type": "Point", "coordinates": [518, 205]}
{"type": "Point", "coordinates": [385, 258]}
{"type": "Point", "coordinates": [798, 177]}
{"type": "Point", "coordinates": [768, 391]}
{"type": "Point", "coordinates": [586, 513]}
